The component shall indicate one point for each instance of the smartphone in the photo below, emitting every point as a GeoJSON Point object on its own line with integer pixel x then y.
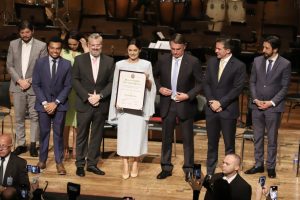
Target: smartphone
{"type": "Point", "coordinates": [262, 181]}
{"type": "Point", "coordinates": [197, 171]}
{"type": "Point", "coordinates": [274, 192]}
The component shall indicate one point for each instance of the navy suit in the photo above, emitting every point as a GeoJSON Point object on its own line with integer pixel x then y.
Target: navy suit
{"type": "Point", "coordinates": [51, 90]}
{"type": "Point", "coordinates": [189, 82]}
{"type": "Point", "coordinates": [226, 91]}
{"type": "Point", "coordinates": [268, 88]}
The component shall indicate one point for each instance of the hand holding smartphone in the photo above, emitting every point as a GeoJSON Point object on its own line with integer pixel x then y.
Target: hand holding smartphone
{"type": "Point", "coordinates": [262, 181]}
{"type": "Point", "coordinates": [274, 192]}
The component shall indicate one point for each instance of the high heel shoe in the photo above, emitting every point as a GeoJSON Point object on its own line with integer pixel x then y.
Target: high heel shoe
{"type": "Point", "coordinates": [134, 171]}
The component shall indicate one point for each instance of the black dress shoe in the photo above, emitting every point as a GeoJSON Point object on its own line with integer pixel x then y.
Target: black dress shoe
{"type": "Point", "coordinates": [95, 170]}
{"type": "Point", "coordinates": [80, 171]}
{"type": "Point", "coordinates": [164, 174]}
{"type": "Point", "coordinates": [255, 170]}
{"type": "Point", "coordinates": [33, 150]}
{"type": "Point", "coordinates": [20, 149]}
{"type": "Point", "coordinates": [271, 173]}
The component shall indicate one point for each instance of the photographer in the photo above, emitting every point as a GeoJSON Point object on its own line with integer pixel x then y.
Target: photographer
{"type": "Point", "coordinates": [228, 185]}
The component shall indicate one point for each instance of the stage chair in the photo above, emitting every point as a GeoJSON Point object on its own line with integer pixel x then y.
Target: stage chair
{"type": "Point", "coordinates": [5, 107]}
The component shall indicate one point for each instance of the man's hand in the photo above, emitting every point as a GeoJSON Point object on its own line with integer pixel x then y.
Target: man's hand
{"type": "Point", "coordinates": [265, 105]}
{"type": "Point", "coordinates": [50, 108]}
{"type": "Point", "coordinates": [165, 91]}
{"type": "Point", "coordinates": [215, 105]}
{"type": "Point", "coordinates": [24, 84]}
{"type": "Point", "coordinates": [180, 96]}
{"type": "Point", "coordinates": [94, 99]}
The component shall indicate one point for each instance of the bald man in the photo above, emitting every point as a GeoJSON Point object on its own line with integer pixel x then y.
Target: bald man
{"type": "Point", "coordinates": [13, 172]}
{"type": "Point", "coordinates": [228, 185]}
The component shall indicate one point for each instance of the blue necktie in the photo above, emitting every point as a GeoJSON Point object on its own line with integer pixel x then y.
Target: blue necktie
{"type": "Point", "coordinates": [174, 77]}
{"type": "Point", "coordinates": [269, 67]}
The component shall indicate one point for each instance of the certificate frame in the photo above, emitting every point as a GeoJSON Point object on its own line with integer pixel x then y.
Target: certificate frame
{"type": "Point", "coordinates": [131, 90]}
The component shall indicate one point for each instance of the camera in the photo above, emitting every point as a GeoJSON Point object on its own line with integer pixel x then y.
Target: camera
{"type": "Point", "coordinates": [262, 180]}
{"type": "Point", "coordinates": [274, 192]}
{"type": "Point", "coordinates": [73, 190]}
{"type": "Point", "coordinates": [33, 169]}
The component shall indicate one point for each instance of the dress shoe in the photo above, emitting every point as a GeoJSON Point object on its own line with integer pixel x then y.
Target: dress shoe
{"type": "Point", "coordinates": [33, 150]}
{"type": "Point", "coordinates": [95, 170]}
{"type": "Point", "coordinates": [41, 165]}
{"type": "Point", "coordinates": [80, 171]}
{"type": "Point", "coordinates": [61, 169]}
{"type": "Point", "coordinates": [20, 149]}
{"type": "Point", "coordinates": [188, 176]}
{"type": "Point", "coordinates": [255, 170]}
{"type": "Point", "coordinates": [271, 173]}
{"type": "Point", "coordinates": [164, 174]}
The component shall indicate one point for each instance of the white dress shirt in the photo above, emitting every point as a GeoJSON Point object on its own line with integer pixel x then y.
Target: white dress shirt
{"type": "Point", "coordinates": [95, 66]}
{"type": "Point", "coordinates": [26, 48]}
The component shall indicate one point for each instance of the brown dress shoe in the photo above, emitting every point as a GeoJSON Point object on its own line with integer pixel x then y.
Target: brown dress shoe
{"type": "Point", "coordinates": [41, 165]}
{"type": "Point", "coordinates": [61, 169]}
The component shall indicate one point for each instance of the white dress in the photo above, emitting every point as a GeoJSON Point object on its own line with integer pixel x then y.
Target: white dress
{"type": "Point", "coordinates": [132, 139]}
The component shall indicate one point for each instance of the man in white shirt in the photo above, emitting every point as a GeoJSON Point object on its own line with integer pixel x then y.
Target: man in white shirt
{"type": "Point", "coordinates": [21, 57]}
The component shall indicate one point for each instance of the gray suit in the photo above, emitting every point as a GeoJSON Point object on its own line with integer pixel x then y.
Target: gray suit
{"type": "Point", "coordinates": [24, 100]}
{"type": "Point", "coordinates": [268, 88]}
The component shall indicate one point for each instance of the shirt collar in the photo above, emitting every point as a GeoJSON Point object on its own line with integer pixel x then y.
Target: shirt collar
{"type": "Point", "coordinates": [179, 58]}
{"type": "Point", "coordinates": [225, 60]}
{"type": "Point", "coordinates": [28, 43]}
{"type": "Point", "coordinates": [51, 59]}
{"type": "Point", "coordinates": [91, 56]}
{"type": "Point", "coordinates": [273, 58]}
{"type": "Point", "coordinates": [229, 180]}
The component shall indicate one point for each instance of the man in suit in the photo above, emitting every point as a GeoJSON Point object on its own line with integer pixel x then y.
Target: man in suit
{"type": "Point", "coordinates": [21, 57]}
{"type": "Point", "coordinates": [92, 77]}
{"type": "Point", "coordinates": [269, 81]}
{"type": "Point", "coordinates": [178, 80]}
{"type": "Point", "coordinates": [51, 82]}
{"type": "Point", "coordinates": [224, 80]}
{"type": "Point", "coordinates": [228, 185]}
{"type": "Point", "coordinates": [13, 171]}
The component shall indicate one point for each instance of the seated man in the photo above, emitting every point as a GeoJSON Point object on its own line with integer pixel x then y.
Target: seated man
{"type": "Point", "coordinates": [229, 184]}
{"type": "Point", "coordinates": [13, 172]}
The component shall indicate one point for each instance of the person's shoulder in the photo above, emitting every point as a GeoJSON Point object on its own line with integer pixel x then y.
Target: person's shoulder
{"type": "Point", "coordinates": [15, 42]}
{"type": "Point", "coordinates": [106, 57]}
{"type": "Point", "coordinates": [39, 42]}
{"type": "Point", "coordinates": [283, 60]}
{"type": "Point", "coordinates": [259, 58]}
{"type": "Point", "coordinates": [16, 158]}
{"type": "Point", "coordinates": [144, 62]}
{"type": "Point", "coordinates": [242, 182]}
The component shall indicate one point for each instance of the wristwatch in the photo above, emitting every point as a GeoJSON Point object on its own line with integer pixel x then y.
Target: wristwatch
{"type": "Point", "coordinates": [57, 102]}
{"type": "Point", "coordinates": [101, 96]}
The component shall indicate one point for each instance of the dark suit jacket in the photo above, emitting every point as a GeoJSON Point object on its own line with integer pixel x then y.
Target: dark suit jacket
{"type": "Point", "coordinates": [16, 169]}
{"type": "Point", "coordinates": [238, 189]}
{"type": "Point", "coordinates": [189, 81]}
{"type": "Point", "coordinates": [228, 89]}
{"type": "Point", "coordinates": [83, 81]}
{"type": "Point", "coordinates": [275, 87]}
{"type": "Point", "coordinates": [45, 90]}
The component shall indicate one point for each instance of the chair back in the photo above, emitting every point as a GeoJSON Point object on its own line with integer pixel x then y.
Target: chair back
{"type": "Point", "coordinates": [4, 95]}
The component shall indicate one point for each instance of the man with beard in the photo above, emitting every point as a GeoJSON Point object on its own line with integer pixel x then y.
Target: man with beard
{"type": "Point", "coordinates": [92, 76]}
{"type": "Point", "coordinates": [269, 81]}
{"type": "Point", "coordinates": [21, 57]}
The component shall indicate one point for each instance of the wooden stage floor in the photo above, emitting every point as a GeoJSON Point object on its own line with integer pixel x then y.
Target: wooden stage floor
{"type": "Point", "coordinates": [146, 186]}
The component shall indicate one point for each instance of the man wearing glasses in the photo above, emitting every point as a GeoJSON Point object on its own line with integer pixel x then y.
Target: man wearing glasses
{"type": "Point", "coordinates": [13, 172]}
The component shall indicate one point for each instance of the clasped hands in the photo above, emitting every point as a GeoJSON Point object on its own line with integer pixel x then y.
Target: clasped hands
{"type": "Point", "coordinates": [180, 96]}
{"type": "Point", "coordinates": [215, 105]}
{"type": "Point", "coordinates": [50, 108]}
{"type": "Point", "coordinates": [24, 84]}
{"type": "Point", "coordinates": [263, 105]}
{"type": "Point", "coordinates": [94, 99]}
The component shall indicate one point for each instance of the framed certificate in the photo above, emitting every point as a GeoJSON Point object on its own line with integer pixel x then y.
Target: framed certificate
{"type": "Point", "coordinates": [131, 89]}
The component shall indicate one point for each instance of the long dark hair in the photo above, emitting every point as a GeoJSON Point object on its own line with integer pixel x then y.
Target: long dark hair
{"type": "Point", "coordinates": [72, 35]}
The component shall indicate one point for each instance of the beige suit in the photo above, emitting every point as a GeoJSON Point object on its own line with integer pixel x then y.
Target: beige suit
{"type": "Point", "coordinates": [24, 100]}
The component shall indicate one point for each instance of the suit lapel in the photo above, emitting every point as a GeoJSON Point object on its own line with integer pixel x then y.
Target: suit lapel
{"type": "Point", "coordinates": [101, 68]}
{"type": "Point", "coordinates": [8, 171]}
{"type": "Point", "coordinates": [275, 66]}
{"type": "Point", "coordinates": [19, 61]}
{"type": "Point", "coordinates": [31, 59]}
{"type": "Point", "coordinates": [58, 69]}
{"type": "Point", "coordinates": [89, 67]}
{"type": "Point", "coordinates": [169, 70]}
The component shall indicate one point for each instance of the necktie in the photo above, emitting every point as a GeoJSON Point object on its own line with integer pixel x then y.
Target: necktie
{"type": "Point", "coordinates": [53, 69]}
{"type": "Point", "coordinates": [269, 66]}
{"type": "Point", "coordinates": [1, 170]}
{"type": "Point", "coordinates": [221, 69]}
{"type": "Point", "coordinates": [174, 77]}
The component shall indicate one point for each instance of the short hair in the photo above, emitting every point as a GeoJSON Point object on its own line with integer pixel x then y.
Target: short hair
{"type": "Point", "coordinates": [227, 42]}
{"type": "Point", "coordinates": [274, 41]}
{"type": "Point", "coordinates": [236, 157]}
{"type": "Point", "coordinates": [178, 38]}
{"type": "Point", "coordinates": [94, 36]}
{"type": "Point", "coordinates": [135, 42]}
{"type": "Point", "coordinates": [55, 39]}
{"type": "Point", "coordinates": [25, 24]}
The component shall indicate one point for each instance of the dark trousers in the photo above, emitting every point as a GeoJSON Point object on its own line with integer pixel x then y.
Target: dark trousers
{"type": "Point", "coordinates": [58, 123]}
{"type": "Point", "coordinates": [214, 126]}
{"type": "Point", "coordinates": [270, 122]}
{"type": "Point", "coordinates": [88, 144]}
{"type": "Point", "coordinates": [168, 126]}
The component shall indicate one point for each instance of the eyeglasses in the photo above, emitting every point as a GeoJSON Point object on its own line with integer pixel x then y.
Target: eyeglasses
{"type": "Point", "coordinates": [5, 147]}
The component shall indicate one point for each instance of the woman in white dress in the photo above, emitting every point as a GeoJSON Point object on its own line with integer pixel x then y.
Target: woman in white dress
{"type": "Point", "coordinates": [132, 139]}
